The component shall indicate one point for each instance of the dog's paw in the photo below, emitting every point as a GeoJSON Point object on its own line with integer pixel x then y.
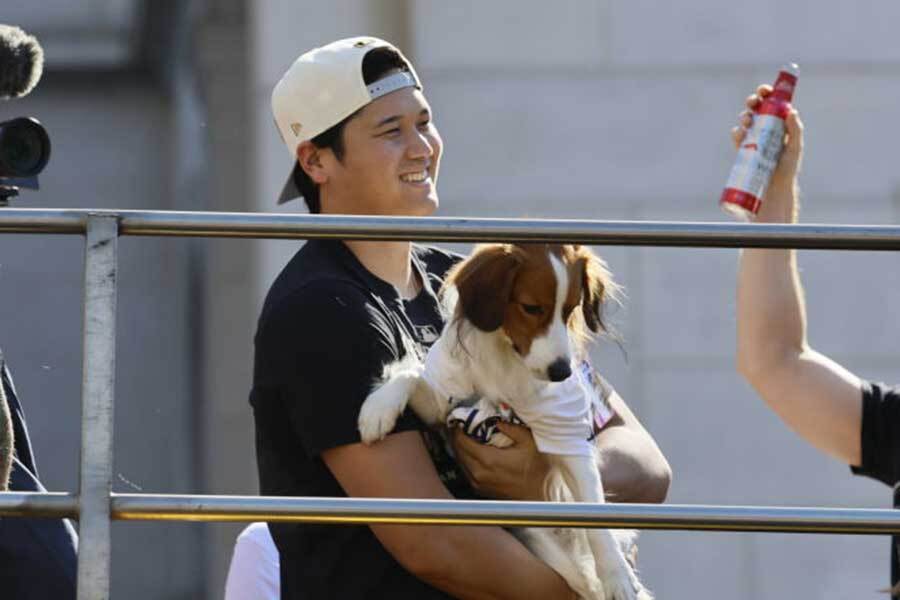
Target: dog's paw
{"type": "Point", "coordinates": [377, 417]}
{"type": "Point", "coordinates": [374, 424]}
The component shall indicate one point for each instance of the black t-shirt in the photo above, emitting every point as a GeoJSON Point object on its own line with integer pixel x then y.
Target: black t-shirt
{"type": "Point", "coordinates": [881, 447]}
{"type": "Point", "coordinates": [327, 328]}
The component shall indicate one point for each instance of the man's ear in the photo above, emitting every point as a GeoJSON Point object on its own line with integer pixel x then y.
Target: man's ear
{"type": "Point", "coordinates": [310, 159]}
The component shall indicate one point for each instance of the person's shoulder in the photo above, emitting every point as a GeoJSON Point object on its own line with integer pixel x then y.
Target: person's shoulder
{"type": "Point", "coordinates": [321, 320]}
{"type": "Point", "coordinates": [315, 260]}
{"type": "Point", "coordinates": [323, 302]}
{"type": "Point", "coordinates": [315, 279]}
{"type": "Point", "coordinates": [880, 442]}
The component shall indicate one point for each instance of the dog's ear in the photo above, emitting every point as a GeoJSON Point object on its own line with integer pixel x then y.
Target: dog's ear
{"type": "Point", "coordinates": [484, 282]}
{"type": "Point", "coordinates": [597, 286]}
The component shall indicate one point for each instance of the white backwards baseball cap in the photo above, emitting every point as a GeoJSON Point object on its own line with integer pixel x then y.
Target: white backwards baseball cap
{"type": "Point", "coordinates": [325, 86]}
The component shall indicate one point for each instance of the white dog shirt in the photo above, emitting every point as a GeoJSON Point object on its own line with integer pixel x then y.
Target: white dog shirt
{"type": "Point", "coordinates": [563, 416]}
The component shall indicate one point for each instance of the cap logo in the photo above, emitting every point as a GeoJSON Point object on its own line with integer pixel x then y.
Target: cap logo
{"type": "Point", "coordinates": [296, 127]}
{"type": "Point", "coordinates": [362, 43]}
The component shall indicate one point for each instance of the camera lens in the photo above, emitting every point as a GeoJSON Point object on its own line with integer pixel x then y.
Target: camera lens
{"type": "Point", "coordinates": [24, 148]}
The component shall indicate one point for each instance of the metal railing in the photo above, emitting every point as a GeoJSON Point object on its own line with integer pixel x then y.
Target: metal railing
{"type": "Point", "coordinates": [95, 504]}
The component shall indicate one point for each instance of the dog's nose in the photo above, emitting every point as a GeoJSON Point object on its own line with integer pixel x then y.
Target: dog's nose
{"type": "Point", "coordinates": [559, 370]}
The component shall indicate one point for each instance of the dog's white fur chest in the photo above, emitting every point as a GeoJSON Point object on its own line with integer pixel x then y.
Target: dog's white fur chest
{"type": "Point", "coordinates": [560, 414]}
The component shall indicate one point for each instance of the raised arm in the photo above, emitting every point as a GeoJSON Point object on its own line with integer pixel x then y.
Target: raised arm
{"type": "Point", "coordinates": [466, 562]}
{"type": "Point", "coordinates": [816, 397]}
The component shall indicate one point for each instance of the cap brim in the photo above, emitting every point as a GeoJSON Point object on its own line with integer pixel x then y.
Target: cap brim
{"type": "Point", "coordinates": [290, 190]}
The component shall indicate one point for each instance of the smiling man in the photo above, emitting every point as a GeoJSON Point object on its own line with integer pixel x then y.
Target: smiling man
{"type": "Point", "coordinates": [355, 119]}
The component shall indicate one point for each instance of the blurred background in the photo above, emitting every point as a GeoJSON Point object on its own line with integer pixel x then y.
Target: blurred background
{"type": "Point", "coordinates": [609, 109]}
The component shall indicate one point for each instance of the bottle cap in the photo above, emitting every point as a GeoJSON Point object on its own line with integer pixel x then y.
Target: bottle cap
{"type": "Point", "coordinates": [791, 69]}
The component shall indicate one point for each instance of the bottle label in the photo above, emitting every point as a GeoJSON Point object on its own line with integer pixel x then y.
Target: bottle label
{"type": "Point", "coordinates": [758, 156]}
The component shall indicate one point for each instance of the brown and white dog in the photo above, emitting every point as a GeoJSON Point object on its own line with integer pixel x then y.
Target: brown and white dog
{"type": "Point", "coordinates": [521, 317]}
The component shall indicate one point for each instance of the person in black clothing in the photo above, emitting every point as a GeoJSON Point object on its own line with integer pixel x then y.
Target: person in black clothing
{"type": "Point", "coordinates": [38, 557]}
{"type": "Point", "coordinates": [855, 421]}
{"type": "Point", "coordinates": [355, 120]}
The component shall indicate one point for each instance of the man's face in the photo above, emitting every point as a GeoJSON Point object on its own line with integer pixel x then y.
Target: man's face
{"type": "Point", "coordinates": [391, 155]}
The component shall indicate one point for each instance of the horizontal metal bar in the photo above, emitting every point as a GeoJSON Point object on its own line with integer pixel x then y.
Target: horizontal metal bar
{"type": "Point", "coordinates": [152, 507]}
{"type": "Point", "coordinates": [519, 514]}
{"type": "Point", "coordinates": [53, 505]}
{"type": "Point", "coordinates": [43, 220]}
{"type": "Point", "coordinates": [460, 229]}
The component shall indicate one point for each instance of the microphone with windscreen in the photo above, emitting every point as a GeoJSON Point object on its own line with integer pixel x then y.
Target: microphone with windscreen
{"type": "Point", "coordinates": [21, 62]}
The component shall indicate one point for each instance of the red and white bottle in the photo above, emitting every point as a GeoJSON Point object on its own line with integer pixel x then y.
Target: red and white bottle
{"type": "Point", "coordinates": [759, 152]}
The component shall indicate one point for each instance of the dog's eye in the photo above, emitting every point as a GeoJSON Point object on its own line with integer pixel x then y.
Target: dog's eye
{"type": "Point", "coordinates": [532, 309]}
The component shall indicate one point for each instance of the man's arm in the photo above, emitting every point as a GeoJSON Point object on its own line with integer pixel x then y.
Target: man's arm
{"type": "Point", "coordinates": [813, 395]}
{"type": "Point", "coordinates": [466, 562]}
{"type": "Point", "coordinates": [632, 466]}
{"type": "Point", "coordinates": [326, 346]}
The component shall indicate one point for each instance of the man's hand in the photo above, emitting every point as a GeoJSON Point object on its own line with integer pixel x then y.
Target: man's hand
{"type": "Point", "coordinates": [631, 465]}
{"type": "Point", "coordinates": [779, 203]}
{"type": "Point", "coordinates": [516, 472]}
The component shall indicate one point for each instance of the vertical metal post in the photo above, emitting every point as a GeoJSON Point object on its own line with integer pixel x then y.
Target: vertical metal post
{"type": "Point", "coordinates": [98, 383]}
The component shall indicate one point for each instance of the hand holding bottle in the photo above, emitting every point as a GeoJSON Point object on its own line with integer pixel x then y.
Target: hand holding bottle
{"type": "Point", "coordinates": [761, 140]}
{"type": "Point", "coordinates": [778, 204]}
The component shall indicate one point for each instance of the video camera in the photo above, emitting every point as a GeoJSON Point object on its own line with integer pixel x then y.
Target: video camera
{"type": "Point", "coordinates": [24, 143]}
